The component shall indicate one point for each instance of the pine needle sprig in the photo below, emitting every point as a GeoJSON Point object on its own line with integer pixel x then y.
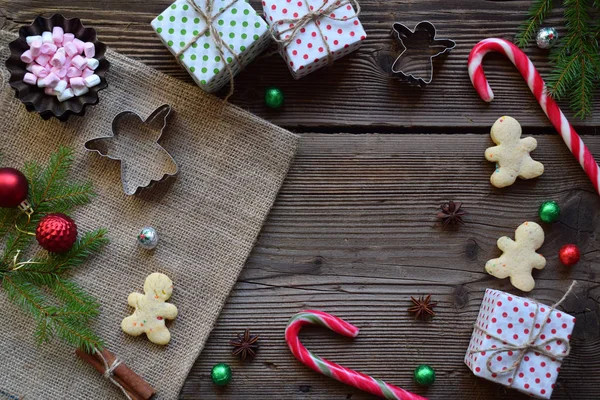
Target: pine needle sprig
{"type": "Point", "coordinates": [538, 11]}
{"type": "Point", "coordinates": [59, 306]}
{"type": "Point", "coordinates": [576, 59]}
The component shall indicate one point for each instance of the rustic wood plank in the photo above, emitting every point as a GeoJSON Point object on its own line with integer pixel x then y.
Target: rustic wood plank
{"type": "Point", "coordinates": [357, 92]}
{"type": "Point", "coordinates": [354, 233]}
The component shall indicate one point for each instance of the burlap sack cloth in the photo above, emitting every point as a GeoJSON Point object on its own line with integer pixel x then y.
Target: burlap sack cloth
{"type": "Point", "coordinates": [232, 165]}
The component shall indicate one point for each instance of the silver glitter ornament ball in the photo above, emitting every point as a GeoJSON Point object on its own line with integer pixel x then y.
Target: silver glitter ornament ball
{"type": "Point", "coordinates": [148, 238]}
{"type": "Point", "coordinates": [546, 38]}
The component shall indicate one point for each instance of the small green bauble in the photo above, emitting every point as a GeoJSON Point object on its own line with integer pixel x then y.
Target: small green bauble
{"type": "Point", "coordinates": [221, 374]}
{"type": "Point", "coordinates": [549, 211]}
{"type": "Point", "coordinates": [273, 97]}
{"type": "Point", "coordinates": [424, 375]}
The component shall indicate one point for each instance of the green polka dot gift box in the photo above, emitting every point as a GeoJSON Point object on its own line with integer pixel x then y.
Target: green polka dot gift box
{"type": "Point", "coordinates": [185, 31]}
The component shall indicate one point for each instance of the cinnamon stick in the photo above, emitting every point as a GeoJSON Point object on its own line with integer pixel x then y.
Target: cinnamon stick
{"type": "Point", "coordinates": [135, 386]}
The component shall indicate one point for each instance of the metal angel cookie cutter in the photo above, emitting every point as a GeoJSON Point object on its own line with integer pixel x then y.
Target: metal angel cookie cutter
{"type": "Point", "coordinates": [134, 144]}
{"type": "Point", "coordinates": [415, 63]}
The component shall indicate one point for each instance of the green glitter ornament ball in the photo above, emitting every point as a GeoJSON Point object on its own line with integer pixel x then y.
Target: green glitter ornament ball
{"type": "Point", "coordinates": [221, 374]}
{"type": "Point", "coordinates": [549, 211]}
{"type": "Point", "coordinates": [424, 375]}
{"type": "Point", "coordinates": [273, 97]}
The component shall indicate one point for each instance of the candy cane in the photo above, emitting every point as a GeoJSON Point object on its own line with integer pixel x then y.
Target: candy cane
{"type": "Point", "coordinates": [333, 370]}
{"type": "Point", "coordinates": [538, 88]}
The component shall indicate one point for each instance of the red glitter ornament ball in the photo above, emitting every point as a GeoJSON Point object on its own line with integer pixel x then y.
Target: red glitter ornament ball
{"type": "Point", "coordinates": [13, 187]}
{"type": "Point", "coordinates": [569, 255]}
{"type": "Point", "coordinates": [56, 233]}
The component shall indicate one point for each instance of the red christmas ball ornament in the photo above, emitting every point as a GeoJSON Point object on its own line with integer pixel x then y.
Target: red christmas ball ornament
{"type": "Point", "coordinates": [13, 187]}
{"type": "Point", "coordinates": [56, 233]}
{"type": "Point", "coordinates": [569, 255]}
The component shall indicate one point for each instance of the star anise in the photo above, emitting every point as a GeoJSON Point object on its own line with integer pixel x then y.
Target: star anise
{"type": "Point", "coordinates": [423, 307]}
{"type": "Point", "coordinates": [451, 214]}
{"type": "Point", "coordinates": [245, 345]}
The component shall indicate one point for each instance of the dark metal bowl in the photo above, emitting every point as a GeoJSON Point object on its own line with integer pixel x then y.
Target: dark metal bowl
{"type": "Point", "coordinates": [34, 97]}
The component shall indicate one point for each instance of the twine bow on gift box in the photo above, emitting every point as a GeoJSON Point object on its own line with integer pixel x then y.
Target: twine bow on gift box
{"type": "Point", "coordinates": [529, 345]}
{"type": "Point", "coordinates": [220, 44]}
{"type": "Point", "coordinates": [296, 24]}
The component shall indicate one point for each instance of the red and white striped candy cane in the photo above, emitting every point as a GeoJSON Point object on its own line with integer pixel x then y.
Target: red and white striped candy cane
{"type": "Point", "coordinates": [333, 370]}
{"type": "Point", "coordinates": [538, 88]}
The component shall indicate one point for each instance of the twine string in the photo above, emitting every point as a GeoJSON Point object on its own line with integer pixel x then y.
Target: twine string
{"type": "Point", "coordinates": [529, 345]}
{"type": "Point", "coordinates": [297, 24]}
{"type": "Point", "coordinates": [220, 44]}
{"type": "Point", "coordinates": [109, 372]}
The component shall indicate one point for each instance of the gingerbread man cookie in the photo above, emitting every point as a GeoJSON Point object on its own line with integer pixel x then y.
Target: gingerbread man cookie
{"type": "Point", "coordinates": [519, 257]}
{"type": "Point", "coordinates": [512, 154]}
{"type": "Point", "coordinates": [151, 309]}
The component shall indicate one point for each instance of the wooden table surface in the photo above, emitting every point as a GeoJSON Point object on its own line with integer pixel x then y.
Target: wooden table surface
{"type": "Point", "coordinates": [353, 231]}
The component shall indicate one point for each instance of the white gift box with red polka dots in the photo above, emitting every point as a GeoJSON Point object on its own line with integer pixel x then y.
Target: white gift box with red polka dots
{"type": "Point", "coordinates": [242, 30]}
{"type": "Point", "coordinates": [518, 321]}
{"type": "Point", "coordinates": [307, 52]}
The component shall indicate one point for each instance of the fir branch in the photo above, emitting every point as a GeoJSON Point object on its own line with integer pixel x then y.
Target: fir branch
{"type": "Point", "coordinates": [55, 174]}
{"type": "Point", "coordinates": [538, 11]}
{"type": "Point", "coordinates": [63, 199]}
{"type": "Point", "coordinates": [90, 243]}
{"type": "Point", "coordinates": [60, 307]}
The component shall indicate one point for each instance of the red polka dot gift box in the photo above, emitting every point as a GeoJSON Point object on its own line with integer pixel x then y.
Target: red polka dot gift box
{"type": "Point", "coordinates": [519, 343]}
{"type": "Point", "coordinates": [314, 33]}
{"type": "Point", "coordinates": [212, 39]}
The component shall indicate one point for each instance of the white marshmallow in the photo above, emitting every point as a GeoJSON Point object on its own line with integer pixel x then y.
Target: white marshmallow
{"type": "Point", "coordinates": [47, 37]}
{"type": "Point", "coordinates": [80, 92]}
{"type": "Point", "coordinates": [92, 63]}
{"type": "Point", "coordinates": [66, 95]}
{"type": "Point", "coordinates": [30, 39]}
{"type": "Point", "coordinates": [60, 87]}
{"type": "Point", "coordinates": [92, 80]}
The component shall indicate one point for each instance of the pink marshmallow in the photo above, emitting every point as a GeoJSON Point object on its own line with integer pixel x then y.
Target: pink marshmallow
{"type": "Point", "coordinates": [43, 59]}
{"type": "Point", "coordinates": [29, 67]}
{"type": "Point", "coordinates": [77, 83]}
{"type": "Point", "coordinates": [49, 48]}
{"type": "Point", "coordinates": [89, 49]}
{"type": "Point", "coordinates": [68, 38]}
{"type": "Point", "coordinates": [39, 71]}
{"type": "Point", "coordinates": [57, 34]}
{"type": "Point", "coordinates": [71, 49]}
{"type": "Point", "coordinates": [79, 62]}
{"type": "Point", "coordinates": [79, 45]}
{"type": "Point", "coordinates": [59, 58]}
{"type": "Point", "coordinates": [30, 79]}
{"type": "Point", "coordinates": [49, 81]}
{"type": "Point", "coordinates": [48, 67]}
{"type": "Point", "coordinates": [27, 57]}
{"type": "Point", "coordinates": [36, 48]}
{"type": "Point", "coordinates": [86, 72]}
{"type": "Point", "coordinates": [60, 72]}
{"type": "Point", "coordinates": [73, 72]}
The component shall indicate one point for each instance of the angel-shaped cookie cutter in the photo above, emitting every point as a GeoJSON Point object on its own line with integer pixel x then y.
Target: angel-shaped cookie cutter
{"type": "Point", "coordinates": [435, 47]}
{"type": "Point", "coordinates": [128, 149]}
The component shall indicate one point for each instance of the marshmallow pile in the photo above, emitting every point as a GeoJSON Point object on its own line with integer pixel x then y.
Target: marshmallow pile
{"type": "Point", "coordinates": [61, 64]}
